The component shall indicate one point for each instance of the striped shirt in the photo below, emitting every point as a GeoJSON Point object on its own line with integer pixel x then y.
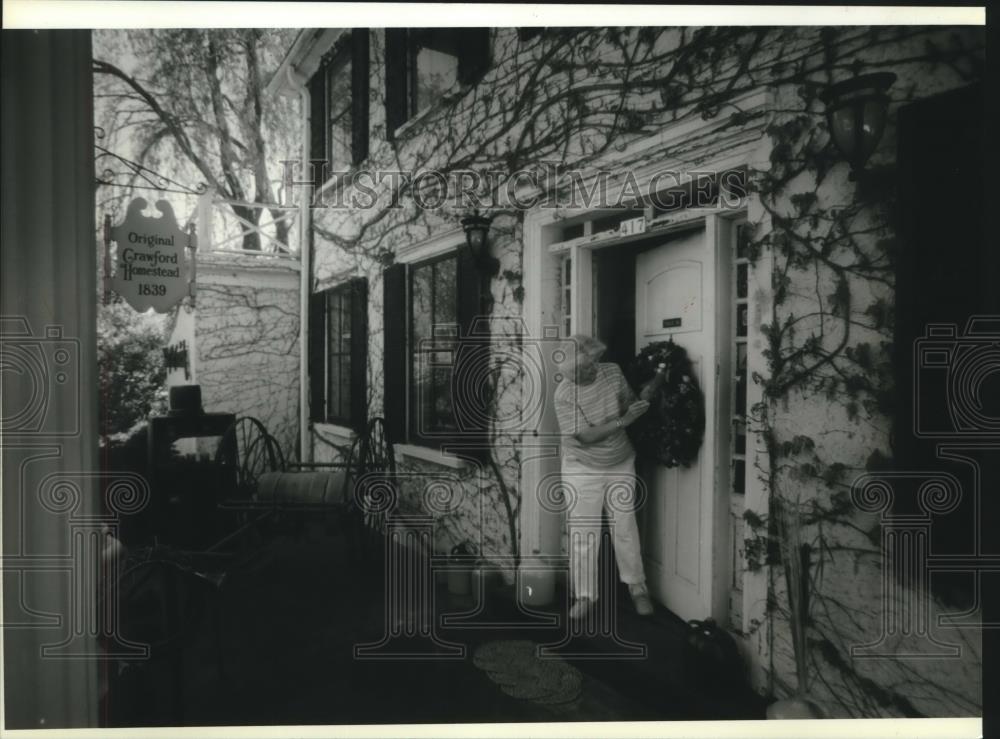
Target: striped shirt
{"type": "Point", "coordinates": [581, 406]}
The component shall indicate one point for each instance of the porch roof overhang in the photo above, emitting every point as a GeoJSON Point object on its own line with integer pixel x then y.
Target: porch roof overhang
{"type": "Point", "coordinates": [302, 59]}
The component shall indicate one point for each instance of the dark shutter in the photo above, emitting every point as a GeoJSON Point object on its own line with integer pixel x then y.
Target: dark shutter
{"type": "Point", "coordinates": [317, 356]}
{"type": "Point", "coordinates": [395, 80]}
{"type": "Point", "coordinates": [474, 54]}
{"type": "Point", "coordinates": [359, 95]}
{"type": "Point", "coordinates": [317, 122]}
{"type": "Point", "coordinates": [359, 354]}
{"type": "Point", "coordinates": [394, 355]}
{"type": "Point", "coordinates": [470, 387]}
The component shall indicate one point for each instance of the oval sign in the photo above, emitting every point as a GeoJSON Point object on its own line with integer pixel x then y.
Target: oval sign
{"type": "Point", "coordinates": [151, 269]}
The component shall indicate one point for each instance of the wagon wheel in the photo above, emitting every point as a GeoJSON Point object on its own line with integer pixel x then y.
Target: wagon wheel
{"type": "Point", "coordinates": [376, 474]}
{"type": "Point", "coordinates": [245, 451]}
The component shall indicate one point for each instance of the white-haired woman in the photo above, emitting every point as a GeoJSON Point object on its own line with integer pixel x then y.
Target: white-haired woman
{"type": "Point", "coordinates": [594, 404]}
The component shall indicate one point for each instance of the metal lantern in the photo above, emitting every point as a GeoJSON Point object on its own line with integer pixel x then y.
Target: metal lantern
{"type": "Point", "coordinates": [856, 114]}
{"type": "Point", "coordinates": [477, 230]}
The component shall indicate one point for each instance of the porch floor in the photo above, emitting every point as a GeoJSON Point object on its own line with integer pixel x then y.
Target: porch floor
{"type": "Point", "coordinates": [276, 646]}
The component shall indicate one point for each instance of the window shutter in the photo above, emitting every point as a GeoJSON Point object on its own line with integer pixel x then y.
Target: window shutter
{"type": "Point", "coordinates": [394, 355]}
{"type": "Point", "coordinates": [474, 54]}
{"type": "Point", "coordinates": [317, 358]}
{"type": "Point", "coordinates": [359, 95]}
{"type": "Point", "coordinates": [395, 80]}
{"type": "Point", "coordinates": [359, 354]}
{"type": "Point", "coordinates": [470, 389]}
{"type": "Point", "coordinates": [317, 120]}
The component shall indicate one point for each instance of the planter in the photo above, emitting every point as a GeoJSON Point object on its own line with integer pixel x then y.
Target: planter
{"type": "Point", "coordinates": [536, 581]}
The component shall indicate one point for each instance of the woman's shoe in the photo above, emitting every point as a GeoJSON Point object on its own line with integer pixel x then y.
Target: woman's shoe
{"type": "Point", "coordinates": [641, 600]}
{"type": "Point", "coordinates": [580, 608]}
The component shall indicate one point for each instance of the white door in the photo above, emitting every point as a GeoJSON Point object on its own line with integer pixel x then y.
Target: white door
{"type": "Point", "coordinates": [675, 297]}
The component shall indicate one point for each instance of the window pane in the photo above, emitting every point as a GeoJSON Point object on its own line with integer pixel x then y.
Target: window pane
{"type": "Point", "coordinates": [739, 476]}
{"type": "Point", "coordinates": [345, 386]}
{"type": "Point", "coordinates": [443, 416]}
{"type": "Point", "coordinates": [435, 62]}
{"type": "Point", "coordinates": [333, 386]}
{"type": "Point", "coordinates": [421, 392]}
{"type": "Point", "coordinates": [422, 308]}
{"type": "Point", "coordinates": [572, 232]}
{"type": "Point", "coordinates": [741, 320]}
{"type": "Point", "coordinates": [742, 237]}
{"type": "Point", "coordinates": [741, 280]}
{"type": "Point", "coordinates": [740, 402]}
{"type": "Point", "coordinates": [445, 308]}
{"type": "Point", "coordinates": [740, 437]}
{"type": "Point", "coordinates": [345, 322]}
{"type": "Point", "coordinates": [338, 78]}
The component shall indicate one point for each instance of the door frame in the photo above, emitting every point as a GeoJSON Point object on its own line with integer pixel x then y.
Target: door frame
{"type": "Point", "coordinates": [540, 529]}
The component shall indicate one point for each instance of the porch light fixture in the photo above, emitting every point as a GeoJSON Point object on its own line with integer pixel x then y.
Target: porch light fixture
{"type": "Point", "coordinates": [477, 229]}
{"type": "Point", "coordinates": [856, 114]}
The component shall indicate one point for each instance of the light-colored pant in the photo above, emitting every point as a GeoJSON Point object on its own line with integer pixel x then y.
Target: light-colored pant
{"type": "Point", "coordinates": [591, 490]}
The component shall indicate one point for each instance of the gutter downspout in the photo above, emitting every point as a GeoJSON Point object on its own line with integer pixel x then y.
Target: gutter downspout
{"type": "Point", "coordinates": [298, 82]}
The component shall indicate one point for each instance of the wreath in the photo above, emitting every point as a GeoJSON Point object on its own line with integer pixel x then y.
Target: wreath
{"type": "Point", "coordinates": [671, 431]}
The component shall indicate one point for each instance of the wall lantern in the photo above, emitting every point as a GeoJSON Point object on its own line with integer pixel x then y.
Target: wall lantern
{"type": "Point", "coordinates": [477, 229]}
{"type": "Point", "coordinates": [856, 114]}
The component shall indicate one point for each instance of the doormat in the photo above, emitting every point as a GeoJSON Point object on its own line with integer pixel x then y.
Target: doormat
{"type": "Point", "coordinates": [516, 668]}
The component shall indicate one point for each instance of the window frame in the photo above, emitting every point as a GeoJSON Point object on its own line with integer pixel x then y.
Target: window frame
{"type": "Point", "coordinates": [474, 53]}
{"type": "Point", "coordinates": [351, 55]}
{"type": "Point", "coordinates": [473, 300]}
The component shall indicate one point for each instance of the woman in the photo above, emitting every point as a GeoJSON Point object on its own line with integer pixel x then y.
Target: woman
{"type": "Point", "coordinates": [594, 404]}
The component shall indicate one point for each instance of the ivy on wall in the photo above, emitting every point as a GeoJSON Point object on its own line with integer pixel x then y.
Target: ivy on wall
{"type": "Point", "coordinates": [580, 96]}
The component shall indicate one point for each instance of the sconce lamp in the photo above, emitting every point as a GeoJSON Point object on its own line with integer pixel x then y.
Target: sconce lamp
{"type": "Point", "coordinates": [856, 113]}
{"type": "Point", "coordinates": [477, 229]}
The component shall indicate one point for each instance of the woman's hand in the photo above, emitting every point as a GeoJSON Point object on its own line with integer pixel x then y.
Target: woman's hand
{"type": "Point", "coordinates": [635, 411]}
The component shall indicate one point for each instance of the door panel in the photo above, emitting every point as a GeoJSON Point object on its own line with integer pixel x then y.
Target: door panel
{"type": "Point", "coordinates": [674, 285]}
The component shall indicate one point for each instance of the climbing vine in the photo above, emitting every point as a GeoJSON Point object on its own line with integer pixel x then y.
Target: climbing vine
{"type": "Point", "coordinates": [828, 246]}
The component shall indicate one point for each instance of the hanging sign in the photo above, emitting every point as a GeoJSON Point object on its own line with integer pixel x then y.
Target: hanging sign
{"type": "Point", "coordinates": [151, 271]}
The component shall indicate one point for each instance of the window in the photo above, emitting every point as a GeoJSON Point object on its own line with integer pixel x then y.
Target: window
{"type": "Point", "coordinates": [435, 351]}
{"type": "Point", "coordinates": [338, 355]}
{"type": "Point", "coordinates": [422, 64]}
{"type": "Point", "coordinates": [339, 99]}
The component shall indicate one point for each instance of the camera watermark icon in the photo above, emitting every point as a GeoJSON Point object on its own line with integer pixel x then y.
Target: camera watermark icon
{"type": "Point", "coordinates": [42, 377]}
{"type": "Point", "coordinates": [954, 376]}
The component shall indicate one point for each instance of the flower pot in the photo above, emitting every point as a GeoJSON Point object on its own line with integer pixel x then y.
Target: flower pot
{"type": "Point", "coordinates": [536, 583]}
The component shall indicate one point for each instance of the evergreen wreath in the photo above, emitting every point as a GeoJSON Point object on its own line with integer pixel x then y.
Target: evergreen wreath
{"type": "Point", "coordinates": [671, 431]}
